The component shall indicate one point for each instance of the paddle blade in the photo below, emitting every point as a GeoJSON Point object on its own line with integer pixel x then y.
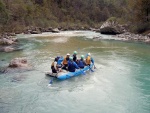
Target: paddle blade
{"type": "Point", "coordinates": [83, 73]}
{"type": "Point", "coordinates": [91, 69]}
{"type": "Point", "coordinates": [49, 85]}
{"type": "Point", "coordinates": [51, 81]}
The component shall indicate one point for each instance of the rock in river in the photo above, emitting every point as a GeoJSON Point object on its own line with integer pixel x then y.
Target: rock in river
{"type": "Point", "coordinates": [18, 62]}
{"type": "Point", "coordinates": [112, 28]}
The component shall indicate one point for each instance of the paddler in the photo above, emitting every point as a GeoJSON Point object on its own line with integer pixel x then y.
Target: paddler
{"type": "Point", "coordinates": [65, 61]}
{"type": "Point", "coordinates": [74, 56]}
{"type": "Point", "coordinates": [54, 66]}
{"type": "Point", "coordinates": [81, 63]}
{"type": "Point", "coordinates": [89, 59]}
{"type": "Point", "coordinates": [72, 66]}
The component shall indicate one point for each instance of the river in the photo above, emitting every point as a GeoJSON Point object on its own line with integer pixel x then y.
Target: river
{"type": "Point", "coordinates": [119, 84]}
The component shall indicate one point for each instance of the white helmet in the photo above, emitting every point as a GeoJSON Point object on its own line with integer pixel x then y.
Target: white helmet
{"type": "Point", "coordinates": [68, 54]}
{"type": "Point", "coordinates": [89, 54]}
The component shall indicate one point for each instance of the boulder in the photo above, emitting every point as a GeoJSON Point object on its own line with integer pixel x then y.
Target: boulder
{"type": "Point", "coordinates": [112, 28]}
{"type": "Point", "coordinates": [35, 32]}
{"type": "Point", "coordinates": [94, 29]}
{"type": "Point", "coordinates": [18, 63]}
{"type": "Point", "coordinates": [148, 35]}
{"type": "Point", "coordinates": [6, 41]}
{"type": "Point", "coordinates": [14, 39]}
{"type": "Point", "coordinates": [7, 49]}
{"type": "Point", "coordinates": [11, 34]}
{"type": "Point", "coordinates": [56, 30]}
{"type": "Point", "coordinates": [147, 41]}
{"type": "Point", "coordinates": [97, 38]}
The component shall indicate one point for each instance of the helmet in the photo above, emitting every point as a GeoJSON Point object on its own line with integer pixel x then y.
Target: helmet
{"type": "Point", "coordinates": [56, 59]}
{"type": "Point", "coordinates": [68, 54]}
{"type": "Point", "coordinates": [89, 54]}
{"type": "Point", "coordinates": [75, 52]}
{"type": "Point", "coordinates": [82, 56]}
{"type": "Point", "coordinates": [71, 58]}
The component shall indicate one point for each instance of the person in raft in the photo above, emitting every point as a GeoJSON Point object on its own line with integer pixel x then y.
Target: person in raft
{"type": "Point", "coordinates": [81, 62]}
{"type": "Point", "coordinates": [72, 66]}
{"type": "Point", "coordinates": [65, 62]}
{"type": "Point", "coordinates": [54, 66]}
{"type": "Point", "coordinates": [89, 59]}
{"type": "Point", "coordinates": [74, 56]}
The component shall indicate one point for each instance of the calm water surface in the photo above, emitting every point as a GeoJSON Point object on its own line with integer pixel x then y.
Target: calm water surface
{"type": "Point", "coordinates": [120, 84]}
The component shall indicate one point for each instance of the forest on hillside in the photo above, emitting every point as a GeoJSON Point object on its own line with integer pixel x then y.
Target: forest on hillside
{"type": "Point", "coordinates": [17, 15]}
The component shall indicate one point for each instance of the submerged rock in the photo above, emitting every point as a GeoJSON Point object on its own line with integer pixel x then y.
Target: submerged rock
{"type": "Point", "coordinates": [19, 78]}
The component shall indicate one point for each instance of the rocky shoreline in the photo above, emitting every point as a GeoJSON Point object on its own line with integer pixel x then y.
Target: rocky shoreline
{"type": "Point", "coordinates": [127, 36]}
{"type": "Point", "coordinates": [122, 32]}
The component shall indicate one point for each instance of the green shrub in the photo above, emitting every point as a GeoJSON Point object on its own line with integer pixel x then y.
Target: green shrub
{"type": "Point", "coordinates": [112, 19]}
{"type": "Point", "coordinates": [3, 13]}
{"type": "Point", "coordinates": [140, 27]}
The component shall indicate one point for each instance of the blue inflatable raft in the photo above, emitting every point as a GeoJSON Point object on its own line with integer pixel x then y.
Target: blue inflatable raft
{"type": "Point", "coordinates": [66, 75]}
{"type": "Point", "coordinates": [76, 73]}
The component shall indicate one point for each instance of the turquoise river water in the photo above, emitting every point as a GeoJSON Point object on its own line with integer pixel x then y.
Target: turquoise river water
{"type": "Point", "coordinates": [119, 84]}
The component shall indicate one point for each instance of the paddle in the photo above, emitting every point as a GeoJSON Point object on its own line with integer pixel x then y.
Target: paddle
{"type": "Point", "coordinates": [51, 81]}
{"type": "Point", "coordinates": [91, 69]}
{"type": "Point", "coordinates": [94, 66]}
{"type": "Point", "coordinates": [82, 72]}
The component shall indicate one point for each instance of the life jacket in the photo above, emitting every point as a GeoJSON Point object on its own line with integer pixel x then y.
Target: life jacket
{"type": "Point", "coordinates": [81, 63]}
{"type": "Point", "coordinates": [52, 65]}
{"type": "Point", "coordinates": [88, 60]}
{"type": "Point", "coordinates": [71, 66]}
{"type": "Point", "coordinates": [65, 61]}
